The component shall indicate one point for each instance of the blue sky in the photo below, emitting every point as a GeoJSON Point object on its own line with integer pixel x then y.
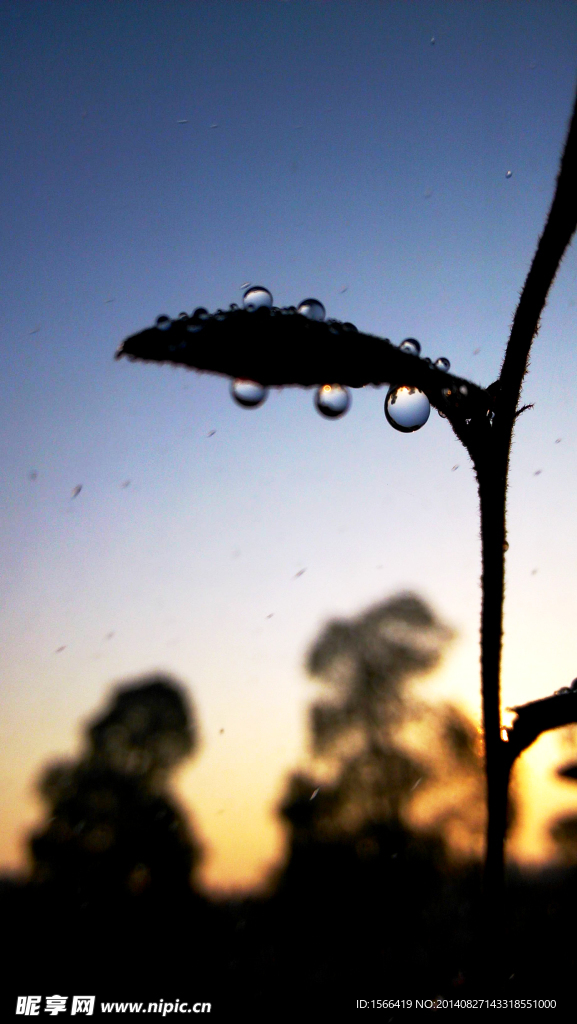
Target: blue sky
{"type": "Point", "coordinates": [354, 152]}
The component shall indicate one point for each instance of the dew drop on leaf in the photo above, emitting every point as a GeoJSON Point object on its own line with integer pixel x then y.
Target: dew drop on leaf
{"type": "Point", "coordinates": [411, 346]}
{"type": "Point", "coordinates": [406, 408]}
{"type": "Point", "coordinates": [257, 297]}
{"type": "Point", "coordinates": [248, 393]}
{"type": "Point", "coordinates": [332, 400]}
{"type": "Point", "coordinates": [442, 364]}
{"type": "Point", "coordinates": [163, 323]}
{"type": "Point", "coordinates": [312, 308]}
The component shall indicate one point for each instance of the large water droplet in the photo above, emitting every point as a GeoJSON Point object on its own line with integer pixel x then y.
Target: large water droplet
{"type": "Point", "coordinates": [257, 297]}
{"type": "Point", "coordinates": [163, 323]}
{"type": "Point", "coordinates": [406, 408]}
{"type": "Point", "coordinates": [346, 326]}
{"type": "Point", "coordinates": [201, 313]}
{"type": "Point", "coordinates": [248, 393]}
{"type": "Point", "coordinates": [183, 316]}
{"type": "Point", "coordinates": [312, 308]}
{"type": "Point", "coordinates": [332, 400]}
{"type": "Point", "coordinates": [442, 364]}
{"type": "Point", "coordinates": [411, 345]}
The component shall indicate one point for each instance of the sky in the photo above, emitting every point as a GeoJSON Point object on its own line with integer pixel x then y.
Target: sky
{"type": "Point", "coordinates": [159, 156]}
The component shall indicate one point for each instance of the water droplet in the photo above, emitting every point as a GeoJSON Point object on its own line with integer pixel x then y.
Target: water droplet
{"type": "Point", "coordinates": [442, 414]}
{"type": "Point", "coordinates": [163, 323]}
{"type": "Point", "coordinates": [464, 389]}
{"type": "Point", "coordinates": [183, 316]}
{"type": "Point", "coordinates": [446, 392]}
{"type": "Point", "coordinates": [312, 308]}
{"type": "Point", "coordinates": [407, 408]}
{"type": "Point", "coordinates": [332, 400]}
{"type": "Point", "coordinates": [200, 313]}
{"type": "Point", "coordinates": [505, 545]}
{"type": "Point", "coordinates": [248, 393]}
{"type": "Point", "coordinates": [509, 174]}
{"type": "Point", "coordinates": [233, 305]}
{"type": "Point", "coordinates": [256, 298]}
{"type": "Point", "coordinates": [443, 364]}
{"type": "Point", "coordinates": [411, 346]}
{"type": "Point", "coordinates": [346, 326]}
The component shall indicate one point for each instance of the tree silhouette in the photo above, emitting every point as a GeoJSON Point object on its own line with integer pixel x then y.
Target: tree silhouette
{"type": "Point", "coordinates": [309, 351]}
{"type": "Point", "coordinates": [355, 858]}
{"type": "Point", "coordinates": [113, 834]}
{"type": "Point", "coordinates": [367, 663]}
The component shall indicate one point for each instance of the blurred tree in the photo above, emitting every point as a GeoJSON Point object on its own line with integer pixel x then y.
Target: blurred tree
{"type": "Point", "coordinates": [113, 832]}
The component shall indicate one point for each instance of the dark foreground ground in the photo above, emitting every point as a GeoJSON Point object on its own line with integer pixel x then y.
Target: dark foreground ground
{"type": "Point", "coordinates": [342, 926]}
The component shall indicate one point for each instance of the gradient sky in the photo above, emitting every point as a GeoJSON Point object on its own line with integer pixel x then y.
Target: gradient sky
{"type": "Point", "coordinates": [356, 152]}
